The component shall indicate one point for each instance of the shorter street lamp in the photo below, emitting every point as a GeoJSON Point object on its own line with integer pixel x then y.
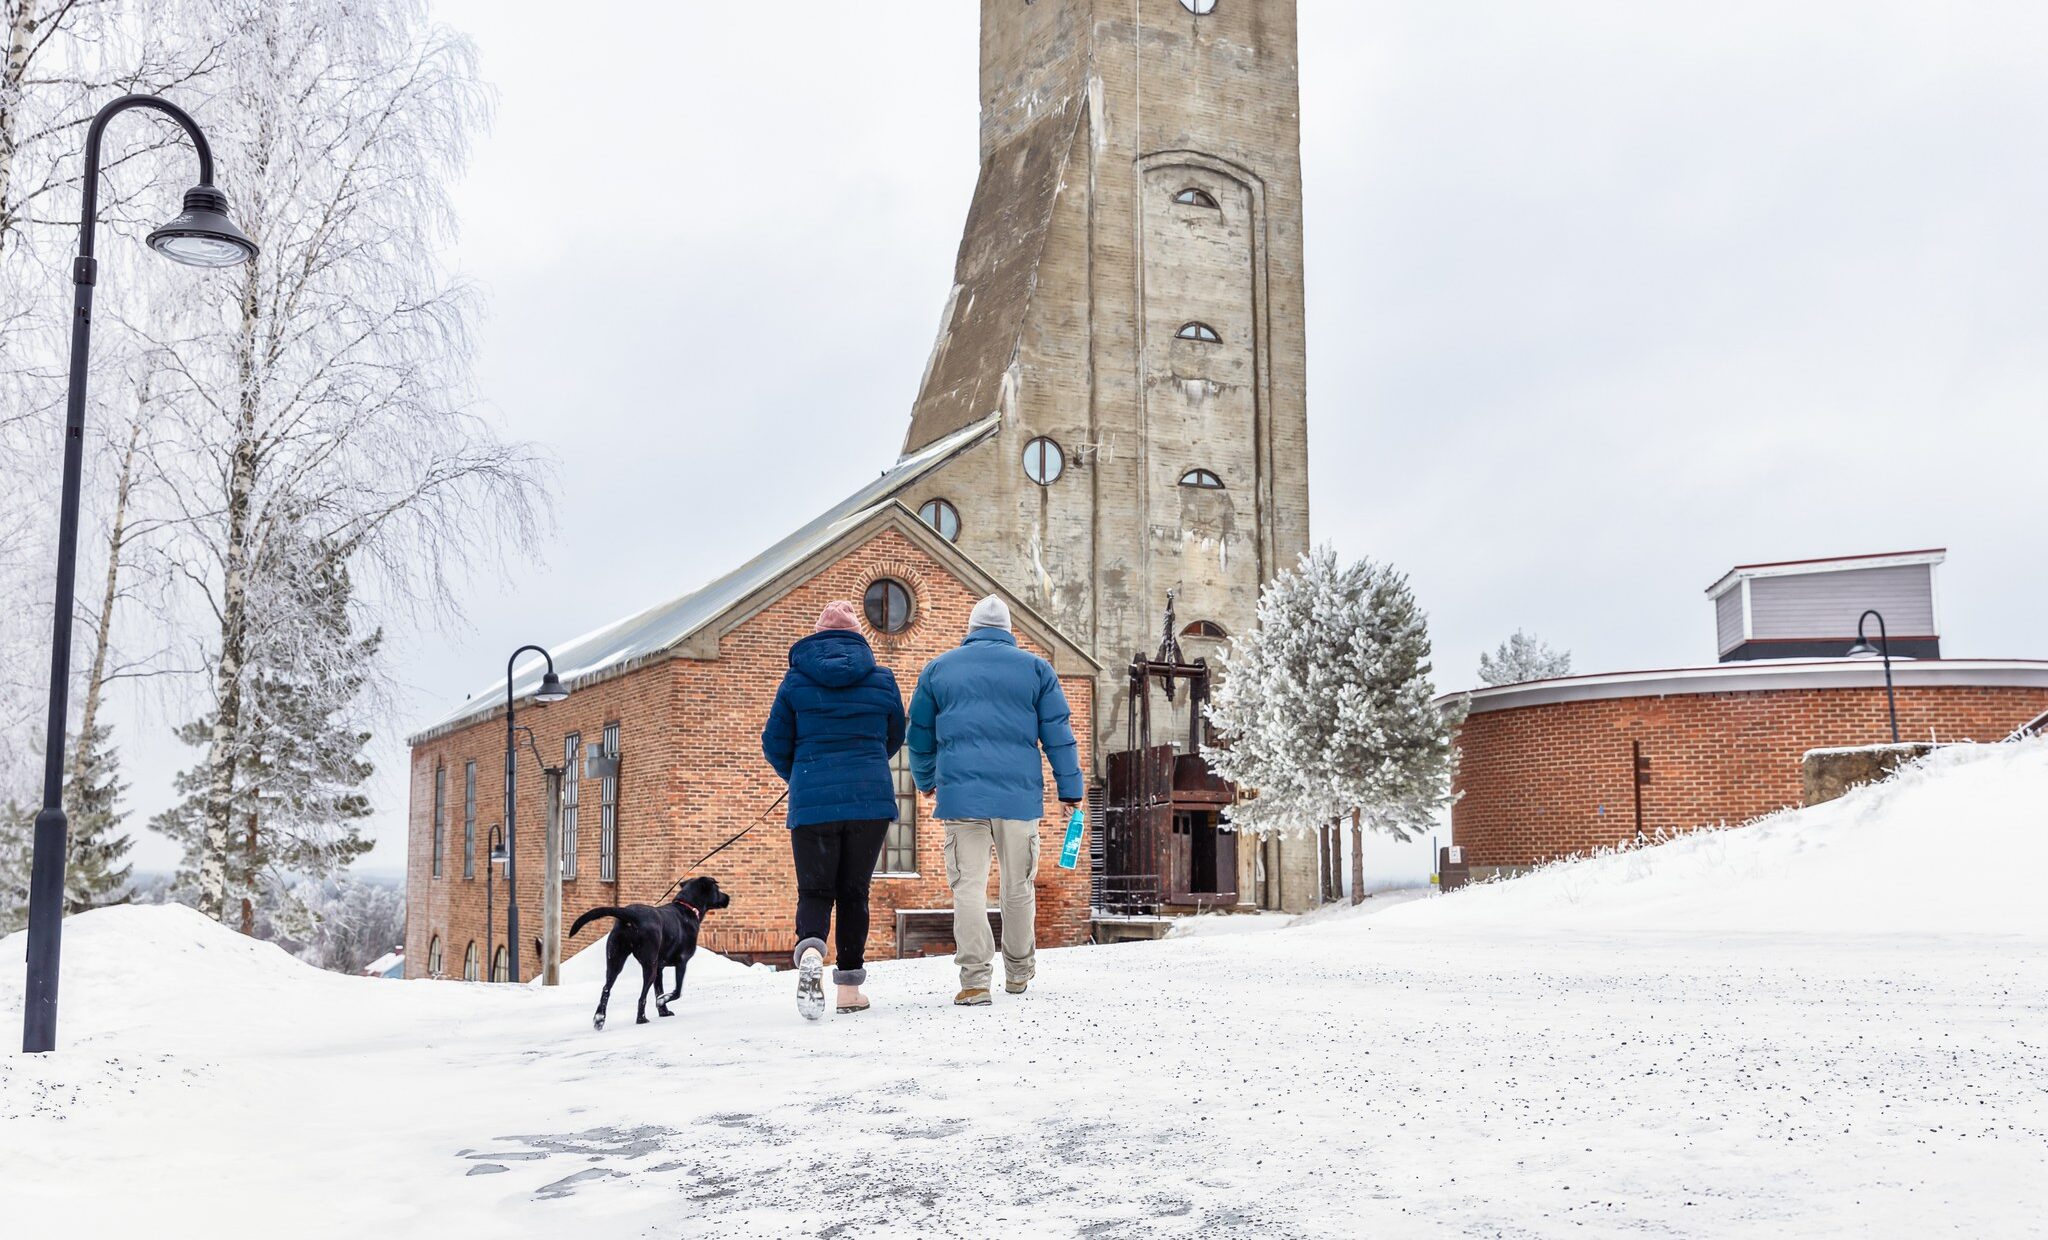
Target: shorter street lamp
{"type": "Point", "coordinates": [551, 690]}
{"type": "Point", "coordinates": [1883, 650]}
{"type": "Point", "coordinates": [495, 840]}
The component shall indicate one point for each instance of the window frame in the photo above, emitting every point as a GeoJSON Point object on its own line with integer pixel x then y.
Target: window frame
{"type": "Point", "coordinates": [900, 844]}
{"type": "Point", "coordinates": [472, 963]}
{"type": "Point", "coordinates": [1058, 464]}
{"type": "Point", "coordinates": [440, 812]}
{"type": "Point", "coordinates": [469, 820]}
{"type": "Point", "coordinates": [608, 811]}
{"type": "Point", "coordinates": [1196, 6]}
{"type": "Point", "coordinates": [1203, 629]}
{"type": "Point", "coordinates": [942, 509]}
{"type": "Point", "coordinates": [572, 784]}
{"type": "Point", "coordinates": [501, 970]}
{"type": "Point", "coordinates": [434, 960]}
{"type": "Point", "coordinates": [882, 626]}
{"type": "Point", "coordinates": [1202, 480]}
{"type": "Point", "coordinates": [1196, 196]}
{"type": "Point", "coordinates": [1198, 332]}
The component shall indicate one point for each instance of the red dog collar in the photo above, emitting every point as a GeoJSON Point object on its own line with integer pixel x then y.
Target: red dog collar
{"type": "Point", "coordinates": [693, 908]}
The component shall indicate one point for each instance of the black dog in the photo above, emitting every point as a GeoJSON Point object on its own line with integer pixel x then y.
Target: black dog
{"type": "Point", "coordinates": [658, 937]}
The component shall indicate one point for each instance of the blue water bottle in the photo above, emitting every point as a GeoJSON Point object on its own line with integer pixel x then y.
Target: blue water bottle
{"type": "Point", "coordinates": [1070, 853]}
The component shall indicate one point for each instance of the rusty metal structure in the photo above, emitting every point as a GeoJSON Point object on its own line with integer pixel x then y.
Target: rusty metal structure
{"type": "Point", "coordinates": [1165, 845]}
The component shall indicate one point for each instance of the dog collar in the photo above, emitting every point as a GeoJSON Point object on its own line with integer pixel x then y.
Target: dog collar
{"type": "Point", "coordinates": [693, 908]}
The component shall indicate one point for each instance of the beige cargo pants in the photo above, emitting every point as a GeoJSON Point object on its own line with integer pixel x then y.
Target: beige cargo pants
{"type": "Point", "coordinates": [1014, 842]}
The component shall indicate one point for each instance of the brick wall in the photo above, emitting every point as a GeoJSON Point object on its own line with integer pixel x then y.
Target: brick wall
{"type": "Point", "coordinates": [691, 775]}
{"type": "Point", "coordinates": [1538, 782]}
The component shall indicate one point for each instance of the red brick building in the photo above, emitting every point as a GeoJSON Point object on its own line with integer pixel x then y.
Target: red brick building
{"type": "Point", "coordinates": [679, 694]}
{"type": "Point", "coordinates": [1547, 768]}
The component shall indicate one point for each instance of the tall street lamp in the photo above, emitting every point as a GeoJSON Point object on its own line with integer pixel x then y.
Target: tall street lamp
{"type": "Point", "coordinates": [551, 690]}
{"type": "Point", "coordinates": [201, 236]}
{"type": "Point", "coordinates": [1864, 650]}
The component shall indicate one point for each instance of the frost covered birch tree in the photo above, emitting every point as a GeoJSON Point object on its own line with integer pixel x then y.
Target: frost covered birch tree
{"type": "Point", "coordinates": [321, 392]}
{"type": "Point", "coordinates": [1324, 708]}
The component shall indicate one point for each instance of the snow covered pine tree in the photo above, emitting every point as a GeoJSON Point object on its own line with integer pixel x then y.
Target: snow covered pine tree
{"type": "Point", "coordinates": [1521, 658]}
{"type": "Point", "coordinates": [1325, 708]}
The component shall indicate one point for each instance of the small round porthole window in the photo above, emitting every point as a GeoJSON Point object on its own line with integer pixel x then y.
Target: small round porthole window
{"type": "Point", "coordinates": [943, 517]}
{"type": "Point", "coordinates": [1200, 8]}
{"type": "Point", "coordinates": [1044, 462]}
{"type": "Point", "coordinates": [887, 604]}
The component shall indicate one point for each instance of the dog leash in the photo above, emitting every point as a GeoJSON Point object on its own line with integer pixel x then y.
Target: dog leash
{"type": "Point", "coordinates": [736, 839]}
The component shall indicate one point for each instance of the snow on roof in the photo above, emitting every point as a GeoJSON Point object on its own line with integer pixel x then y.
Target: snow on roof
{"type": "Point", "coordinates": [636, 637]}
{"type": "Point", "coordinates": [1750, 676]}
{"type": "Point", "coordinates": [1825, 564]}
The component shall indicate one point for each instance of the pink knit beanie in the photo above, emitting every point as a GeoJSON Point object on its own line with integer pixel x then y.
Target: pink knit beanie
{"type": "Point", "coordinates": [839, 614]}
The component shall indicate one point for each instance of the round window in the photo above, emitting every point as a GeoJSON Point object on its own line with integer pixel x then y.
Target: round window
{"type": "Point", "coordinates": [1044, 462]}
{"type": "Point", "coordinates": [887, 604]}
{"type": "Point", "coordinates": [943, 517]}
{"type": "Point", "coordinates": [1200, 8]}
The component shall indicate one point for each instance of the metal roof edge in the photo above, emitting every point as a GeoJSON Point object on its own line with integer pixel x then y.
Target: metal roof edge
{"type": "Point", "coordinates": [1750, 677]}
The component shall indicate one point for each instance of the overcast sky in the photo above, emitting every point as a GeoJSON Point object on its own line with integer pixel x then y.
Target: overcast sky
{"type": "Point", "coordinates": [1602, 298]}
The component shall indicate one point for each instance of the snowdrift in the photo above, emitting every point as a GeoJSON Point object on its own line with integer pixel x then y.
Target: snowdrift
{"type": "Point", "coordinates": [190, 982]}
{"type": "Point", "coordinates": [1955, 843]}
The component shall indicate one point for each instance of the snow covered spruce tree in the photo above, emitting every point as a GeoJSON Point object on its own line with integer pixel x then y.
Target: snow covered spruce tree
{"type": "Point", "coordinates": [1324, 708]}
{"type": "Point", "coordinates": [1523, 657]}
{"type": "Point", "coordinates": [296, 793]}
{"type": "Point", "coordinates": [17, 836]}
{"type": "Point", "coordinates": [320, 399]}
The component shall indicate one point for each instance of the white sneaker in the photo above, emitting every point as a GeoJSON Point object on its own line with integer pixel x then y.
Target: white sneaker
{"type": "Point", "coordinates": [810, 984]}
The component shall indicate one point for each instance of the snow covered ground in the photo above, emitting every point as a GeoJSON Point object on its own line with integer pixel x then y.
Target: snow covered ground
{"type": "Point", "coordinates": [1834, 1023]}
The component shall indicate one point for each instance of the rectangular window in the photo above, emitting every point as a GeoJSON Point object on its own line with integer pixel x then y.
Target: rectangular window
{"type": "Point", "coordinates": [469, 820]}
{"type": "Point", "coordinates": [572, 779]}
{"type": "Point", "coordinates": [440, 812]}
{"type": "Point", "coordinates": [899, 848]}
{"type": "Point", "coordinates": [608, 813]}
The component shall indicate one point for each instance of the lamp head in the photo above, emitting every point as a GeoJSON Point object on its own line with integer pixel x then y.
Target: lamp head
{"type": "Point", "coordinates": [1864, 650]}
{"type": "Point", "coordinates": [551, 689]}
{"type": "Point", "coordinates": [203, 235]}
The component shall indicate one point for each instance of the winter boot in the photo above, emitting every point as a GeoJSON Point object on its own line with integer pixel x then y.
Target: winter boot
{"type": "Point", "coordinates": [810, 979]}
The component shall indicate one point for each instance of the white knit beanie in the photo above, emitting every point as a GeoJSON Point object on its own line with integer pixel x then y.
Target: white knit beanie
{"type": "Point", "coordinates": [989, 613]}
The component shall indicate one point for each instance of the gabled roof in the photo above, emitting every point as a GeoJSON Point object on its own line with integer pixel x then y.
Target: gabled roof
{"type": "Point", "coordinates": [1826, 564]}
{"type": "Point", "coordinates": [662, 630]}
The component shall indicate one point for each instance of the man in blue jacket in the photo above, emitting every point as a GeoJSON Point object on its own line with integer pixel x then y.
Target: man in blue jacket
{"type": "Point", "coordinates": [980, 716]}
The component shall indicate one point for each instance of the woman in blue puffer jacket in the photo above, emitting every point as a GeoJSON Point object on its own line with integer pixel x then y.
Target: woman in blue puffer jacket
{"type": "Point", "coordinates": [836, 722]}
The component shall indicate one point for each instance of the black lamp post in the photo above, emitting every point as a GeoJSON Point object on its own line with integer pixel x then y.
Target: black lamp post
{"type": "Point", "coordinates": [551, 690]}
{"type": "Point", "coordinates": [494, 841]}
{"type": "Point", "coordinates": [1864, 650]}
{"type": "Point", "coordinates": [201, 236]}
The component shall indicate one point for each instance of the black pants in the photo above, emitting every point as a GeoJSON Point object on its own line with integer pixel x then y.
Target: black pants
{"type": "Point", "coordinates": [834, 863]}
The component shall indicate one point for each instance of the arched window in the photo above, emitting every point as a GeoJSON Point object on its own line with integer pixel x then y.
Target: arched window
{"type": "Point", "coordinates": [434, 957]}
{"type": "Point", "coordinates": [888, 604]}
{"type": "Point", "coordinates": [1205, 628]}
{"type": "Point", "coordinates": [1201, 478]}
{"type": "Point", "coordinates": [1199, 331]}
{"type": "Point", "coordinates": [472, 964]}
{"type": "Point", "coordinates": [943, 517]}
{"type": "Point", "coordinates": [1192, 197]}
{"type": "Point", "coordinates": [1200, 8]}
{"type": "Point", "coordinates": [501, 965]}
{"type": "Point", "coordinates": [1044, 461]}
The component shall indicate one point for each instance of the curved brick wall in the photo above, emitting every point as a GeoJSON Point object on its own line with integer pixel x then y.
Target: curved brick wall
{"type": "Point", "coordinates": [1551, 778]}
